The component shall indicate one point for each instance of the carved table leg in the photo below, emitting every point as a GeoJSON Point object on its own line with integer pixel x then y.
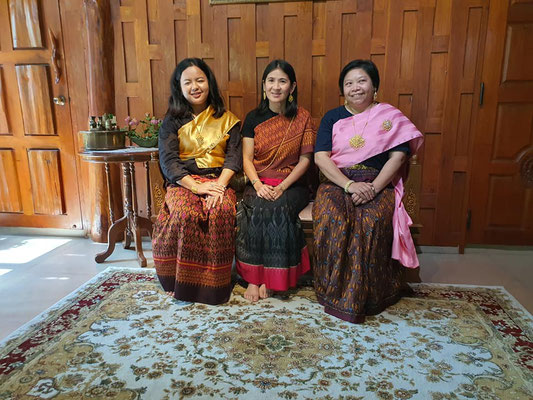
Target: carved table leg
{"type": "Point", "coordinates": [136, 229]}
{"type": "Point", "coordinates": [148, 199]}
{"type": "Point", "coordinates": [127, 236]}
{"type": "Point", "coordinates": [127, 204]}
{"type": "Point", "coordinates": [113, 235]}
{"type": "Point", "coordinates": [117, 227]}
{"type": "Point", "coordinates": [109, 195]}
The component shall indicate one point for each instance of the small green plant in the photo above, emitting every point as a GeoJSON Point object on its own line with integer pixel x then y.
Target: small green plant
{"type": "Point", "coordinates": [146, 128]}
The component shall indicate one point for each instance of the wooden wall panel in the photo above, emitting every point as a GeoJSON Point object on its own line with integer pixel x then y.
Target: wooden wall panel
{"type": "Point", "coordinates": [465, 55]}
{"type": "Point", "coordinates": [180, 33]}
{"type": "Point", "coordinates": [432, 162]}
{"type": "Point", "coordinates": [299, 48]}
{"type": "Point", "coordinates": [130, 57]}
{"type": "Point", "coordinates": [441, 26]}
{"type": "Point", "coordinates": [458, 201]}
{"type": "Point", "coordinates": [35, 99]}
{"type": "Point", "coordinates": [462, 144]}
{"type": "Point", "coordinates": [405, 104]}
{"type": "Point", "coordinates": [4, 127]}
{"type": "Point", "coordinates": [318, 38]}
{"type": "Point", "coordinates": [332, 57]}
{"type": "Point", "coordinates": [25, 28]}
{"type": "Point", "coordinates": [46, 183]}
{"type": "Point", "coordinates": [379, 27]}
{"type": "Point", "coordinates": [10, 200]}
{"type": "Point", "coordinates": [427, 220]}
{"type": "Point", "coordinates": [512, 117]}
{"type": "Point", "coordinates": [473, 33]}
{"type": "Point", "coordinates": [428, 70]}
{"type": "Point", "coordinates": [517, 65]}
{"type": "Point", "coordinates": [500, 187]}
{"type": "Point", "coordinates": [408, 42]}
{"type": "Point", "coordinates": [436, 93]}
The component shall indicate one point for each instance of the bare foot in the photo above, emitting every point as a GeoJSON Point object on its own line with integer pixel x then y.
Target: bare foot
{"type": "Point", "coordinates": [264, 292]}
{"type": "Point", "coordinates": [252, 292]}
{"type": "Point", "coordinates": [171, 294]}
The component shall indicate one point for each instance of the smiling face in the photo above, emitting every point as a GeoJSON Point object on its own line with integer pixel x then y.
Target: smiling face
{"type": "Point", "coordinates": [277, 87]}
{"type": "Point", "coordinates": [358, 89]}
{"type": "Point", "coordinates": [195, 88]}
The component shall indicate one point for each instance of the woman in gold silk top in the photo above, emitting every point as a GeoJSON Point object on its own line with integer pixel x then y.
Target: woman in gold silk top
{"type": "Point", "coordinates": [199, 152]}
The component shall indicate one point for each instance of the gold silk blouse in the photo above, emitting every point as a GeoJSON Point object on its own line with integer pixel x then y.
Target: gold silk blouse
{"type": "Point", "coordinates": [205, 138]}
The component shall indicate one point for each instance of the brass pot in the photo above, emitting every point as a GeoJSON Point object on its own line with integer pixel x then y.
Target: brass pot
{"type": "Point", "coordinates": [103, 140]}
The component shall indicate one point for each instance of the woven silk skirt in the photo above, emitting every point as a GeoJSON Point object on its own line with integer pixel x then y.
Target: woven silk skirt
{"type": "Point", "coordinates": [355, 274]}
{"type": "Point", "coordinates": [271, 247]}
{"type": "Point", "coordinates": [193, 247]}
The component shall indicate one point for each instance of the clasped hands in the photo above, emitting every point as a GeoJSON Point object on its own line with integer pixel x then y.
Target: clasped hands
{"type": "Point", "coordinates": [213, 192]}
{"type": "Point", "coordinates": [268, 192]}
{"type": "Point", "coordinates": [361, 192]}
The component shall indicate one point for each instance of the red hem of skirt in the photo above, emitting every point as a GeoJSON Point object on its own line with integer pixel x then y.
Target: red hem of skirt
{"type": "Point", "coordinates": [279, 279]}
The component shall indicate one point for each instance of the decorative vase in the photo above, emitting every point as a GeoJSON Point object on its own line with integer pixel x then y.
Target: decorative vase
{"type": "Point", "coordinates": [144, 142]}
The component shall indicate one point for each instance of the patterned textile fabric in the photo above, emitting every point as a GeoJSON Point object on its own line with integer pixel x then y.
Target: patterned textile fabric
{"type": "Point", "coordinates": [270, 244]}
{"type": "Point", "coordinates": [193, 247]}
{"type": "Point", "coordinates": [355, 274]}
{"type": "Point", "coordinates": [279, 142]}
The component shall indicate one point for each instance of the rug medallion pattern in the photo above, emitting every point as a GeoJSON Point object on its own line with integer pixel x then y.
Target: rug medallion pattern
{"type": "Point", "coordinates": [120, 336]}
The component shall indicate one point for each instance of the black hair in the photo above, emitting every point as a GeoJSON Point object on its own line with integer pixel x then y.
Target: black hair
{"type": "Point", "coordinates": [178, 106]}
{"type": "Point", "coordinates": [366, 65]}
{"type": "Point", "coordinates": [291, 107]}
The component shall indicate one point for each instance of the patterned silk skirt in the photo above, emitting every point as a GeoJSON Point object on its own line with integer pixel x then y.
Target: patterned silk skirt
{"type": "Point", "coordinates": [355, 274]}
{"type": "Point", "coordinates": [193, 247]}
{"type": "Point", "coordinates": [270, 244]}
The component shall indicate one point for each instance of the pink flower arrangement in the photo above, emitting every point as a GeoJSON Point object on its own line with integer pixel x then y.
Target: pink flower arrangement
{"type": "Point", "coordinates": [147, 127]}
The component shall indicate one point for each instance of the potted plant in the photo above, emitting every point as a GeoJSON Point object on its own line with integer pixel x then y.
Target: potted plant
{"type": "Point", "coordinates": [143, 133]}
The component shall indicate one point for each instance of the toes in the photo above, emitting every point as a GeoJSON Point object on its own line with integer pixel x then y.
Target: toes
{"type": "Point", "coordinates": [252, 293]}
{"type": "Point", "coordinates": [264, 292]}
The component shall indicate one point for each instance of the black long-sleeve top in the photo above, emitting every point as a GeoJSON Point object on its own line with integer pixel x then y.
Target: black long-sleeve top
{"type": "Point", "coordinates": [175, 169]}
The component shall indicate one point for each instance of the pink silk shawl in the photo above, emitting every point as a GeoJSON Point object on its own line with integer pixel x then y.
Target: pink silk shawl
{"type": "Point", "coordinates": [382, 127]}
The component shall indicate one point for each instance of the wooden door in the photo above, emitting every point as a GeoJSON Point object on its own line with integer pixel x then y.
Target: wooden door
{"type": "Point", "coordinates": [38, 173]}
{"type": "Point", "coordinates": [501, 190]}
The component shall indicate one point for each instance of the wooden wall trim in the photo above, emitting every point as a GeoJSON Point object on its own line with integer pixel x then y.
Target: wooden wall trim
{"type": "Point", "coordinates": [101, 99]}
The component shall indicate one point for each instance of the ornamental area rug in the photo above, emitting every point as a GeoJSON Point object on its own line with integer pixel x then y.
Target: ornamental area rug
{"type": "Point", "coordinates": [120, 336]}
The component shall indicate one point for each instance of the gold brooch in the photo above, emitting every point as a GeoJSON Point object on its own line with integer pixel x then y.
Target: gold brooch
{"type": "Point", "coordinates": [357, 141]}
{"type": "Point", "coordinates": [387, 125]}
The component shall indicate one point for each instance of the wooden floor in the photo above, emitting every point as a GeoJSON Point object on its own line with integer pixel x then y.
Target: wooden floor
{"type": "Point", "coordinates": [37, 271]}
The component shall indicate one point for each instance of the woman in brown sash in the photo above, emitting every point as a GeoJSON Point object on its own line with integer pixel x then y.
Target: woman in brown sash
{"type": "Point", "coordinates": [278, 140]}
{"type": "Point", "coordinates": [199, 152]}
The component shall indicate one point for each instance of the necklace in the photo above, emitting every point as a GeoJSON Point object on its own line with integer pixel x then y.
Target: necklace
{"type": "Point", "coordinates": [350, 109]}
{"type": "Point", "coordinates": [357, 141]}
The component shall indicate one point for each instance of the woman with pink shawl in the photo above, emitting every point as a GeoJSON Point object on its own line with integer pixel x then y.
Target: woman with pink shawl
{"type": "Point", "coordinates": [361, 228]}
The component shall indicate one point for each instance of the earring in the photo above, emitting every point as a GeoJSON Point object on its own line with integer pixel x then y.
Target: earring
{"type": "Point", "coordinates": [345, 102]}
{"type": "Point", "coordinates": [264, 95]}
{"type": "Point", "coordinates": [375, 95]}
{"type": "Point", "coordinates": [291, 99]}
